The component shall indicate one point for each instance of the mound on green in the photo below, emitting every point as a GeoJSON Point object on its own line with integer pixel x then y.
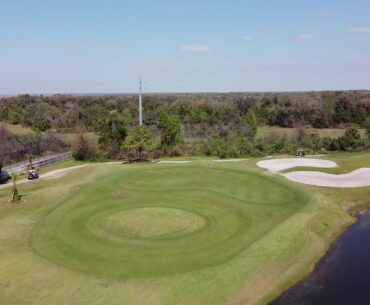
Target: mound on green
{"type": "Point", "coordinates": [156, 223]}
{"type": "Point", "coordinates": [163, 234]}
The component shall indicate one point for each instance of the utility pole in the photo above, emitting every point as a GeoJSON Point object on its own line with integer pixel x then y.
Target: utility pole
{"type": "Point", "coordinates": [140, 102]}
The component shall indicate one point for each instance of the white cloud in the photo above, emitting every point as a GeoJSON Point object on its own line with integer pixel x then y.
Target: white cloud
{"type": "Point", "coordinates": [362, 29]}
{"type": "Point", "coordinates": [194, 48]}
{"type": "Point", "coordinates": [305, 37]}
{"type": "Point", "coordinates": [247, 37]}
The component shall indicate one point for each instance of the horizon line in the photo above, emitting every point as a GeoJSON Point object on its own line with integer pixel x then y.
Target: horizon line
{"type": "Point", "coordinates": [179, 92]}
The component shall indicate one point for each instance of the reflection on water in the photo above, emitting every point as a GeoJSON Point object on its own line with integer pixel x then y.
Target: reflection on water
{"type": "Point", "coordinates": [343, 275]}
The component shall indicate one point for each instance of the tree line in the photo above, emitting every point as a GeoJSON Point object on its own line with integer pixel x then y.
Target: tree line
{"type": "Point", "coordinates": [213, 124]}
{"type": "Point", "coordinates": [317, 109]}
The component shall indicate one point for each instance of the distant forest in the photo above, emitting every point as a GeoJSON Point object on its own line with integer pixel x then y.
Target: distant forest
{"type": "Point", "coordinates": [316, 109]}
{"type": "Point", "coordinates": [224, 123]}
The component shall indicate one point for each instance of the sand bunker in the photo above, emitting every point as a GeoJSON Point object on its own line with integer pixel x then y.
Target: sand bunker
{"type": "Point", "coordinates": [277, 165]}
{"type": "Point", "coordinates": [357, 178]}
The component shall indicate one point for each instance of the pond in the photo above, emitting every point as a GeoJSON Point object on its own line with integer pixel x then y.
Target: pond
{"type": "Point", "coordinates": [342, 277]}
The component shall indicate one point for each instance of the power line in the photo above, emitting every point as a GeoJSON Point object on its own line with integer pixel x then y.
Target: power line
{"type": "Point", "coordinates": [140, 102]}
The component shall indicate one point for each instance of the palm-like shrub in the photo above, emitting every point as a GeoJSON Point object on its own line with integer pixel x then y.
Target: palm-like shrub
{"type": "Point", "coordinates": [15, 194]}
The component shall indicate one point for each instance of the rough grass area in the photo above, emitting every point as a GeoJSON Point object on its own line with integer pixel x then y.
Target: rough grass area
{"type": "Point", "coordinates": [264, 131]}
{"type": "Point", "coordinates": [70, 138]}
{"type": "Point", "coordinates": [18, 130]}
{"type": "Point", "coordinates": [164, 234]}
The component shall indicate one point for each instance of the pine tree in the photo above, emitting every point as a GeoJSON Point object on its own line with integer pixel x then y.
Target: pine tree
{"type": "Point", "coordinates": [138, 140]}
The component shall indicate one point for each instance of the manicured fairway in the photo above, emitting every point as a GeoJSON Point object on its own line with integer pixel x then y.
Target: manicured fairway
{"type": "Point", "coordinates": [196, 233]}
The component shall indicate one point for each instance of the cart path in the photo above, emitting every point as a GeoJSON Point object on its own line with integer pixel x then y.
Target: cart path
{"type": "Point", "coordinates": [49, 175]}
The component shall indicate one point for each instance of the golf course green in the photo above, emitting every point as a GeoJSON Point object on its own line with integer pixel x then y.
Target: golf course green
{"type": "Point", "coordinates": [162, 234]}
{"type": "Point", "coordinates": [162, 221]}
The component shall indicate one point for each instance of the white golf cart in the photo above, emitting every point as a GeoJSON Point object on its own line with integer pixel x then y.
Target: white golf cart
{"type": "Point", "coordinates": [33, 174]}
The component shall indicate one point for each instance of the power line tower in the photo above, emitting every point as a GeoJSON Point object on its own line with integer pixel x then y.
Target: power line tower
{"type": "Point", "coordinates": [140, 102]}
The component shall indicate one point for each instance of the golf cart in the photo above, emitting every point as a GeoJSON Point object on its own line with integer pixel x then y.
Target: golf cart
{"type": "Point", "coordinates": [300, 153]}
{"type": "Point", "coordinates": [33, 174]}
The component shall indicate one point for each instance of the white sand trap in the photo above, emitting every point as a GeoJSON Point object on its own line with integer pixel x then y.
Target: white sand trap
{"type": "Point", "coordinates": [277, 165]}
{"type": "Point", "coordinates": [230, 160]}
{"type": "Point", "coordinates": [357, 178]}
{"type": "Point", "coordinates": [173, 162]}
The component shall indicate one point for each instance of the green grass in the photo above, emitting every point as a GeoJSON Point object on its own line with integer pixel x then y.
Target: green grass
{"type": "Point", "coordinates": [165, 234]}
{"type": "Point", "coordinates": [231, 214]}
{"type": "Point", "coordinates": [172, 223]}
{"type": "Point", "coordinates": [264, 131]}
{"type": "Point", "coordinates": [64, 164]}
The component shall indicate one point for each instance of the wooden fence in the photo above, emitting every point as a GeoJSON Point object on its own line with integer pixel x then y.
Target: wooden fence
{"type": "Point", "coordinates": [37, 163]}
{"type": "Point", "coordinates": [17, 150]}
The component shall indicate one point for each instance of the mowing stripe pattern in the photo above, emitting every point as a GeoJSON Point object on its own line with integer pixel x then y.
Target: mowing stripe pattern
{"type": "Point", "coordinates": [148, 222]}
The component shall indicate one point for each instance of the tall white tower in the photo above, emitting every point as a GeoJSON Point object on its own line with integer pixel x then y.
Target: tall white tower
{"type": "Point", "coordinates": [140, 102]}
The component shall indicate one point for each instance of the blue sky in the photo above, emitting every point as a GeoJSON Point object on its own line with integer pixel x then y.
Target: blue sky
{"type": "Point", "coordinates": [91, 46]}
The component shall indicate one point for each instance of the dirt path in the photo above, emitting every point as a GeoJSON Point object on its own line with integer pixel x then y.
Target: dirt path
{"type": "Point", "coordinates": [49, 175]}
